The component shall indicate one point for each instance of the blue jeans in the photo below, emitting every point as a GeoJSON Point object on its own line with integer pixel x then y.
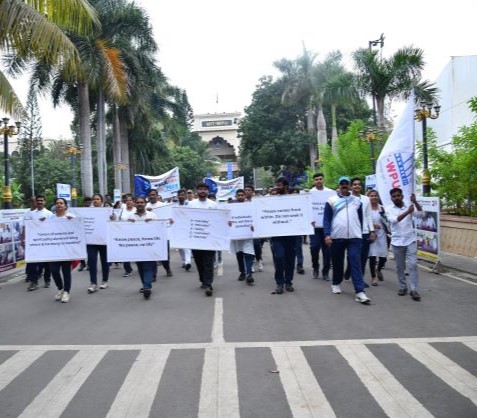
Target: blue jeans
{"type": "Point", "coordinates": [284, 253]}
{"type": "Point", "coordinates": [245, 262]}
{"type": "Point", "coordinates": [406, 256]}
{"type": "Point", "coordinates": [353, 246]}
{"type": "Point", "coordinates": [93, 251]}
{"type": "Point", "coordinates": [317, 243]}
{"type": "Point", "coordinates": [145, 269]}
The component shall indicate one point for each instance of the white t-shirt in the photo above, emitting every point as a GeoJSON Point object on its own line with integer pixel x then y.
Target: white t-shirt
{"type": "Point", "coordinates": [147, 215]}
{"type": "Point", "coordinates": [151, 206]}
{"type": "Point", "coordinates": [125, 214]}
{"type": "Point", "coordinates": [199, 204]}
{"type": "Point", "coordinates": [38, 214]}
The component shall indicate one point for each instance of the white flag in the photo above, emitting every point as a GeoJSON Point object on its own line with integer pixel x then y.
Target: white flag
{"type": "Point", "coordinates": [396, 163]}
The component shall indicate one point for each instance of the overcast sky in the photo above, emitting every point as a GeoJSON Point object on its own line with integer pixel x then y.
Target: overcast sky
{"type": "Point", "coordinates": [222, 47]}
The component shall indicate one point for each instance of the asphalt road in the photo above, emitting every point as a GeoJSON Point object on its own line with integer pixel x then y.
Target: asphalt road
{"type": "Point", "coordinates": [243, 352]}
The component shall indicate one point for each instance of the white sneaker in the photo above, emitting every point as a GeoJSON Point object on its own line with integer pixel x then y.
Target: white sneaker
{"type": "Point", "coordinates": [362, 298]}
{"type": "Point", "coordinates": [104, 285]}
{"type": "Point", "coordinates": [260, 265]}
{"type": "Point", "coordinates": [65, 297]}
{"type": "Point", "coordinates": [336, 289]}
{"type": "Point", "coordinates": [59, 295]}
{"type": "Point", "coordinates": [93, 288]}
{"type": "Point", "coordinates": [253, 269]}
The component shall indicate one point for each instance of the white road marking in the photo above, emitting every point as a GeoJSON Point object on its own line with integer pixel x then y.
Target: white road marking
{"type": "Point", "coordinates": [219, 388]}
{"type": "Point", "coordinates": [446, 369]}
{"type": "Point", "coordinates": [55, 397]}
{"type": "Point", "coordinates": [472, 345]}
{"type": "Point", "coordinates": [304, 394]}
{"type": "Point", "coordinates": [138, 391]}
{"type": "Point", "coordinates": [391, 396]}
{"type": "Point", "coordinates": [16, 365]}
{"type": "Point", "coordinates": [218, 324]}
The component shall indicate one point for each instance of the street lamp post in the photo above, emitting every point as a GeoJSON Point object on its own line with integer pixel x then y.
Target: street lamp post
{"type": "Point", "coordinates": [376, 42]}
{"type": "Point", "coordinates": [422, 114]}
{"type": "Point", "coordinates": [73, 150]}
{"type": "Point", "coordinates": [7, 131]}
{"type": "Point", "coordinates": [371, 135]}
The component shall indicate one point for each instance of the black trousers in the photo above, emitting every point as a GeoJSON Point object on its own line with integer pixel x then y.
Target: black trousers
{"type": "Point", "coordinates": [204, 260]}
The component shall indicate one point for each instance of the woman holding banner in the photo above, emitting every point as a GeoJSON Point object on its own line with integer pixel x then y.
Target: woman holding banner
{"type": "Point", "coordinates": [378, 250]}
{"type": "Point", "coordinates": [62, 283]}
{"type": "Point", "coordinates": [126, 212]}
{"type": "Point", "coordinates": [92, 251]}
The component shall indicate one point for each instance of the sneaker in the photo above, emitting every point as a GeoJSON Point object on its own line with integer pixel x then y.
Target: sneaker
{"type": "Point", "coordinates": [203, 286]}
{"type": "Point", "coordinates": [250, 279]}
{"type": "Point", "coordinates": [169, 274]}
{"type": "Point", "coordinates": [93, 288]}
{"type": "Point", "coordinates": [253, 269]}
{"type": "Point", "coordinates": [209, 291]}
{"type": "Point", "coordinates": [187, 267]}
{"type": "Point", "coordinates": [326, 278]}
{"type": "Point", "coordinates": [141, 290]}
{"type": "Point", "coordinates": [316, 273]}
{"type": "Point", "coordinates": [336, 289]}
{"type": "Point", "coordinates": [59, 295]}
{"type": "Point", "coordinates": [32, 286]}
{"type": "Point", "coordinates": [47, 284]}
{"type": "Point", "coordinates": [300, 270]}
{"type": "Point", "coordinates": [289, 288]}
{"type": "Point", "coordinates": [127, 274]}
{"type": "Point", "coordinates": [242, 277]}
{"type": "Point", "coordinates": [65, 297]}
{"type": "Point", "coordinates": [81, 268]}
{"type": "Point", "coordinates": [402, 292]}
{"type": "Point", "coordinates": [260, 265]}
{"type": "Point", "coordinates": [380, 276]}
{"type": "Point", "coordinates": [183, 265]}
{"type": "Point", "coordinates": [104, 285]}
{"type": "Point", "coordinates": [362, 298]}
{"type": "Point", "coordinates": [414, 295]}
{"type": "Point", "coordinates": [279, 290]}
{"type": "Point", "coordinates": [146, 293]}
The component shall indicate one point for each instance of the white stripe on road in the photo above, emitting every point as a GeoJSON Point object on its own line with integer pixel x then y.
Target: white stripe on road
{"type": "Point", "coordinates": [135, 398]}
{"type": "Point", "coordinates": [16, 364]}
{"type": "Point", "coordinates": [218, 325]}
{"type": "Point", "coordinates": [219, 388]}
{"type": "Point", "coordinates": [472, 345]}
{"type": "Point", "coordinates": [391, 396]}
{"type": "Point", "coordinates": [443, 367]}
{"type": "Point", "coordinates": [304, 394]}
{"type": "Point", "coordinates": [55, 397]}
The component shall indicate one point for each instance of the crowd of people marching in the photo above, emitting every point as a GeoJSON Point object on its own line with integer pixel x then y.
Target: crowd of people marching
{"type": "Point", "coordinates": [351, 228]}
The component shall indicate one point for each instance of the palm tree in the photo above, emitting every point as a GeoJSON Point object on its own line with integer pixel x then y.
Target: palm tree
{"type": "Point", "coordinates": [394, 77]}
{"type": "Point", "coordinates": [33, 30]}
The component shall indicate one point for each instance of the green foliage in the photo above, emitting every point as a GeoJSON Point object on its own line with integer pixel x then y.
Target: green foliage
{"type": "Point", "coordinates": [351, 158]}
{"type": "Point", "coordinates": [453, 173]}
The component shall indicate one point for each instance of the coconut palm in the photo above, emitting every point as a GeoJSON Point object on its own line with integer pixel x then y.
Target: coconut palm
{"type": "Point", "coordinates": [35, 30]}
{"type": "Point", "coordinates": [393, 77]}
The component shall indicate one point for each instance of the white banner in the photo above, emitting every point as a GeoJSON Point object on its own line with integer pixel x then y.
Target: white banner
{"type": "Point", "coordinates": [318, 201]}
{"type": "Point", "coordinates": [241, 215]}
{"type": "Point", "coordinates": [200, 229]}
{"type": "Point", "coordinates": [64, 191]}
{"type": "Point", "coordinates": [278, 216]}
{"type": "Point", "coordinates": [95, 221]}
{"type": "Point", "coordinates": [137, 241]}
{"type": "Point", "coordinates": [428, 229]}
{"type": "Point", "coordinates": [396, 165]}
{"type": "Point", "coordinates": [55, 239]}
{"type": "Point", "coordinates": [225, 189]}
{"type": "Point", "coordinates": [166, 184]}
{"type": "Point", "coordinates": [165, 212]}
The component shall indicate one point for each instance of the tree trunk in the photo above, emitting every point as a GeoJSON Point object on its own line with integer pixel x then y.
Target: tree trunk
{"type": "Point", "coordinates": [101, 144]}
{"type": "Point", "coordinates": [125, 155]}
{"type": "Point", "coordinates": [380, 111]}
{"type": "Point", "coordinates": [334, 129]}
{"type": "Point", "coordinates": [85, 139]}
{"type": "Point", "coordinates": [310, 128]}
{"type": "Point", "coordinates": [116, 149]}
{"type": "Point", "coordinates": [321, 126]}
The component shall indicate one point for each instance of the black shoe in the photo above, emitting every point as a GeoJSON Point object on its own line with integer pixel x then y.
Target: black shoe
{"type": "Point", "coordinates": [250, 279]}
{"type": "Point", "coordinates": [414, 295]}
{"type": "Point", "coordinates": [183, 265]}
{"type": "Point", "coordinates": [316, 273]}
{"type": "Point", "coordinates": [81, 268]}
{"type": "Point", "coordinates": [141, 290]}
{"type": "Point", "coordinates": [32, 286]}
{"type": "Point", "coordinates": [326, 278]}
{"type": "Point", "coordinates": [380, 276]}
{"type": "Point", "coordinates": [300, 270]}
{"type": "Point", "coordinates": [146, 293]}
{"type": "Point", "coordinates": [47, 284]}
{"type": "Point", "coordinates": [209, 291]}
{"type": "Point", "coordinates": [289, 288]}
{"type": "Point", "coordinates": [241, 278]}
{"type": "Point", "coordinates": [402, 292]}
{"type": "Point", "coordinates": [203, 286]}
{"type": "Point", "coordinates": [187, 267]}
{"type": "Point", "coordinates": [279, 290]}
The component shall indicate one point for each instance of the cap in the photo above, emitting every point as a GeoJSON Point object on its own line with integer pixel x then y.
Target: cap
{"type": "Point", "coordinates": [344, 178]}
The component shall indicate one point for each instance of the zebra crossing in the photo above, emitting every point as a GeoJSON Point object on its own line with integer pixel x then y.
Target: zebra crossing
{"type": "Point", "coordinates": [216, 385]}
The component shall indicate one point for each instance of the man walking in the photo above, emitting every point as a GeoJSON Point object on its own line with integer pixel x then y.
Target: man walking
{"type": "Point", "coordinates": [403, 240]}
{"type": "Point", "coordinates": [185, 253]}
{"type": "Point", "coordinates": [320, 195]}
{"type": "Point", "coordinates": [343, 228]}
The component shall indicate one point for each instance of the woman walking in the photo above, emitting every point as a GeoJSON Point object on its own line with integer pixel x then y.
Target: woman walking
{"type": "Point", "coordinates": [63, 284]}
{"type": "Point", "coordinates": [378, 250]}
{"type": "Point", "coordinates": [126, 212]}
